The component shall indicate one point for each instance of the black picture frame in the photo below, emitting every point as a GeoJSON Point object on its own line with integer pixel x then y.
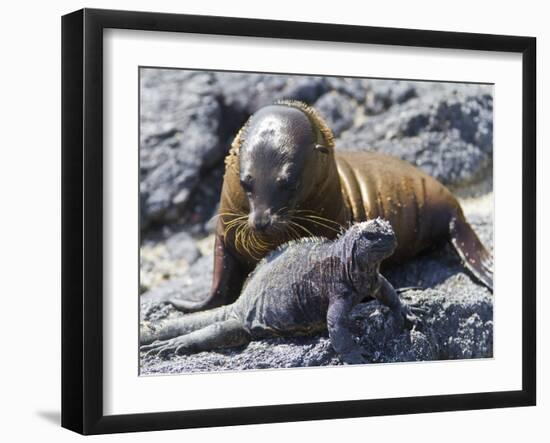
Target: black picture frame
{"type": "Point", "coordinates": [82, 218]}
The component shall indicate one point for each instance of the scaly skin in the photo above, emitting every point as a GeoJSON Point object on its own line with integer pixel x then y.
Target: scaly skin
{"type": "Point", "coordinates": [301, 288]}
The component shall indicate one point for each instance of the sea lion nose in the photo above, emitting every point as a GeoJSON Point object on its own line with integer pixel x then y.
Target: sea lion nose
{"type": "Point", "coordinates": [260, 220]}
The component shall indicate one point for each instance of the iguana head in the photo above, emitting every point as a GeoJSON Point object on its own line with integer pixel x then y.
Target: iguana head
{"type": "Point", "coordinates": [370, 242]}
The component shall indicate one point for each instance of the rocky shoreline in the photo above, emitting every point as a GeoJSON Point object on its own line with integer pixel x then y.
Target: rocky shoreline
{"type": "Point", "coordinates": [187, 122]}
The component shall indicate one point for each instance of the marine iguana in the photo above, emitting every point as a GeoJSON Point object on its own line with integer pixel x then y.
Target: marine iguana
{"type": "Point", "coordinates": [301, 288]}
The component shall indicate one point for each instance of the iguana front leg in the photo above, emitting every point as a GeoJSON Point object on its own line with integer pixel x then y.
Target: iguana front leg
{"type": "Point", "coordinates": [402, 312]}
{"type": "Point", "coordinates": [338, 328]}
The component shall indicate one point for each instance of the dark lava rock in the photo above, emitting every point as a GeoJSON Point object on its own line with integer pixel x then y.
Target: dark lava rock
{"type": "Point", "coordinates": [179, 139]}
{"type": "Point", "coordinates": [183, 246]}
{"type": "Point", "coordinates": [445, 156]}
{"type": "Point", "coordinates": [448, 133]}
{"type": "Point", "coordinates": [457, 324]}
{"type": "Point", "coordinates": [189, 118]}
{"type": "Point", "coordinates": [187, 122]}
{"type": "Point", "coordinates": [337, 110]}
{"type": "Point", "coordinates": [383, 94]}
{"type": "Point", "coordinates": [194, 286]}
{"type": "Point", "coordinates": [353, 88]}
{"type": "Point", "coordinates": [244, 93]}
{"type": "Point", "coordinates": [457, 319]}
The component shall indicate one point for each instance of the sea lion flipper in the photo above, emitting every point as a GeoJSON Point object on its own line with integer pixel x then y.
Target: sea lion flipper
{"type": "Point", "coordinates": [475, 257]}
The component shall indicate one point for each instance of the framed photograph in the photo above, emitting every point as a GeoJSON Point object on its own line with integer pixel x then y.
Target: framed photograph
{"type": "Point", "coordinates": [269, 221]}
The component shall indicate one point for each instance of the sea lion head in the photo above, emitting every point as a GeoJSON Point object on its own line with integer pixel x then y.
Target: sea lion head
{"type": "Point", "coordinates": [280, 157]}
{"type": "Point", "coordinates": [368, 243]}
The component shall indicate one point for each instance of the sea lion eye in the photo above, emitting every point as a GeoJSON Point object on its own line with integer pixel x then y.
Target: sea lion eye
{"type": "Point", "coordinates": [246, 183]}
{"type": "Point", "coordinates": [321, 148]}
{"type": "Point", "coordinates": [287, 184]}
{"type": "Point", "coordinates": [283, 182]}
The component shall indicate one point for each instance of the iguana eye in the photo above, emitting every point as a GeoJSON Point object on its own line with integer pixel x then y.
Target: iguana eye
{"type": "Point", "coordinates": [371, 235]}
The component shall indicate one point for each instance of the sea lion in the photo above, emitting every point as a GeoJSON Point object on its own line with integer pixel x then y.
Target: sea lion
{"type": "Point", "coordinates": [284, 180]}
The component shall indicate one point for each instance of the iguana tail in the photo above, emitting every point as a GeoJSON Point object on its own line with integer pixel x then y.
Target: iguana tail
{"type": "Point", "coordinates": [174, 327]}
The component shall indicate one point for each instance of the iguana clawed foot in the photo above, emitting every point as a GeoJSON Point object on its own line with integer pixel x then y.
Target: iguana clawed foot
{"type": "Point", "coordinates": [166, 348]}
{"type": "Point", "coordinates": [354, 357]}
{"type": "Point", "coordinates": [406, 317]}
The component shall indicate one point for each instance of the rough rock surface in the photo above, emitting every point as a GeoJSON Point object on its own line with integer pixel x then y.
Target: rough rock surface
{"type": "Point", "coordinates": [187, 122]}
{"type": "Point", "coordinates": [448, 134]}
{"type": "Point", "coordinates": [458, 322]}
{"type": "Point", "coordinates": [337, 110]}
{"type": "Point", "coordinates": [167, 258]}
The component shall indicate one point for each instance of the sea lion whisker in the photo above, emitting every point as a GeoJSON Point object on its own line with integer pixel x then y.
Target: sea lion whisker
{"type": "Point", "coordinates": [267, 244]}
{"type": "Point", "coordinates": [232, 224]}
{"type": "Point", "coordinates": [318, 223]}
{"type": "Point", "coordinates": [302, 227]}
{"type": "Point", "coordinates": [238, 235]}
{"type": "Point", "coordinates": [293, 234]}
{"type": "Point", "coordinates": [281, 232]}
{"type": "Point", "coordinates": [284, 232]}
{"type": "Point", "coordinates": [227, 229]}
{"type": "Point", "coordinates": [303, 210]}
{"type": "Point", "coordinates": [221, 214]}
{"type": "Point", "coordinates": [242, 217]}
{"type": "Point", "coordinates": [235, 222]}
{"type": "Point", "coordinates": [244, 234]}
{"type": "Point", "coordinates": [313, 214]}
{"type": "Point", "coordinates": [253, 241]}
{"type": "Point", "coordinates": [234, 217]}
{"type": "Point", "coordinates": [236, 238]}
{"type": "Point", "coordinates": [246, 244]}
{"type": "Point", "coordinates": [328, 220]}
{"type": "Point", "coordinates": [263, 248]}
{"type": "Point", "coordinates": [261, 243]}
{"type": "Point", "coordinates": [256, 245]}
